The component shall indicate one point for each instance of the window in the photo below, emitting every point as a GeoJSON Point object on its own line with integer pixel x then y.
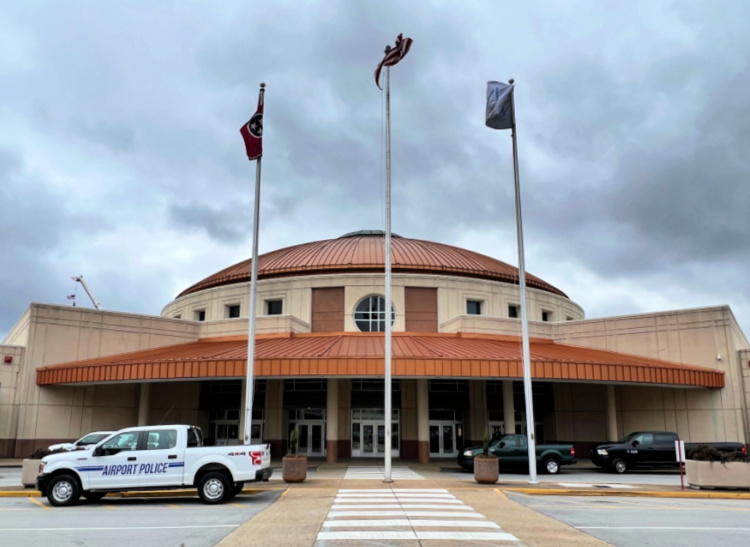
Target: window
{"type": "Point", "coordinates": [161, 439]}
{"type": "Point", "coordinates": [568, 318]}
{"type": "Point", "coordinates": [195, 438]}
{"type": "Point", "coordinates": [473, 307]}
{"type": "Point", "coordinates": [274, 307]}
{"type": "Point", "coordinates": [178, 316]}
{"type": "Point", "coordinates": [514, 310]}
{"type": "Point", "coordinates": [199, 315]}
{"type": "Point", "coordinates": [448, 385]}
{"type": "Point", "coordinates": [118, 443]}
{"type": "Point", "coordinates": [233, 311]}
{"type": "Point", "coordinates": [374, 385]}
{"type": "Point", "coordinates": [644, 438]}
{"type": "Point", "coordinates": [305, 385]}
{"type": "Point", "coordinates": [546, 315]}
{"type": "Point", "coordinates": [369, 314]}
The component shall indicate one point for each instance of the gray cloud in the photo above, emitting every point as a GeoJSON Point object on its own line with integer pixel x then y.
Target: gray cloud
{"type": "Point", "coordinates": [121, 157]}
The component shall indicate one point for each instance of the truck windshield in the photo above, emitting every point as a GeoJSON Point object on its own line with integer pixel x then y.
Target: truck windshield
{"type": "Point", "coordinates": [627, 438]}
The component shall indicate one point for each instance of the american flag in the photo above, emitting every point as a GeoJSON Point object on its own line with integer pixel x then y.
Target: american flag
{"type": "Point", "coordinates": [393, 56]}
{"type": "Point", "coordinates": [71, 297]}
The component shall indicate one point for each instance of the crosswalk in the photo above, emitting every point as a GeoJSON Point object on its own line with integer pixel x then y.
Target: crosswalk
{"type": "Point", "coordinates": [403, 516]}
{"type": "Point", "coordinates": [378, 472]}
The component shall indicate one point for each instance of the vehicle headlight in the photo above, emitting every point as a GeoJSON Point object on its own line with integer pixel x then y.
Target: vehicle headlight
{"type": "Point", "coordinates": [468, 453]}
{"type": "Point", "coordinates": [602, 451]}
{"type": "Point", "coordinates": [41, 466]}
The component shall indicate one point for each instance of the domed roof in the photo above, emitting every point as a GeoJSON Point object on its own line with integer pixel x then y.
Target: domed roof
{"type": "Point", "coordinates": [364, 251]}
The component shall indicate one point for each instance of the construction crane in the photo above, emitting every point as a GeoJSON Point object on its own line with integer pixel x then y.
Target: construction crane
{"type": "Point", "coordinates": [79, 278]}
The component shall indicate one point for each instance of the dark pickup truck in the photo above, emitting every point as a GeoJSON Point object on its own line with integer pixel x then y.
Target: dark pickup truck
{"type": "Point", "coordinates": [512, 450]}
{"type": "Point", "coordinates": [647, 449]}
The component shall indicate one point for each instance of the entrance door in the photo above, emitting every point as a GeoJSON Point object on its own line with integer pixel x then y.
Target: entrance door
{"type": "Point", "coordinates": [373, 439]}
{"type": "Point", "coordinates": [311, 438]}
{"type": "Point", "coordinates": [444, 438]}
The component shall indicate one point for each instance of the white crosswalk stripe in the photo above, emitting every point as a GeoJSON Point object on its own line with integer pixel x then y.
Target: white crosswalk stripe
{"type": "Point", "coordinates": [378, 472]}
{"type": "Point", "coordinates": [401, 516]}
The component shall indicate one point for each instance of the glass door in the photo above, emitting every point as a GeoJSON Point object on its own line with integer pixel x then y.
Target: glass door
{"type": "Point", "coordinates": [445, 438]}
{"type": "Point", "coordinates": [368, 434]}
{"type": "Point", "coordinates": [311, 438]}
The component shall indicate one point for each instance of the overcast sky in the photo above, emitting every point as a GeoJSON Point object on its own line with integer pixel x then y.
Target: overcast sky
{"type": "Point", "coordinates": [121, 159]}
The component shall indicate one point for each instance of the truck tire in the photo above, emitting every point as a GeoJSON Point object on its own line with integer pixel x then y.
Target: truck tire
{"type": "Point", "coordinates": [236, 489]}
{"type": "Point", "coordinates": [214, 487]}
{"type": "Point", "coordinates": [94, 496]}
{"type": "Point", "coordinates": [619, 466]}
{"type": "Point", "coordinates": [551, 466]}
{"type": "Point", "coordinates": [63, 490]}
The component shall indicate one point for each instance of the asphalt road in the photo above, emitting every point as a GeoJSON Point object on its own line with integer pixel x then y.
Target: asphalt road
{"type": "Point", "coordinates": [126, 522]}
{"type": "Point", "coordinates": [641, 522]}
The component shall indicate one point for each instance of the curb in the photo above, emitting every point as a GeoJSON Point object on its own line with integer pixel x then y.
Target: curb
{"type": "Point", "coordinates": [700, 494]}
{"type": "Point", "coordinates": [132, 494]}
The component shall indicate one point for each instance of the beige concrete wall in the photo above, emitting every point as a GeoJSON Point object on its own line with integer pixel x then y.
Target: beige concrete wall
{"type": "Point", "coordinates": [59, 334]}
{"type": "Point", "coordinates": [706, 337]}
{"type": "Point", "coordinates": [19, 334]}
{"type": "Point", "coordinates": [580, 412]}
{"type": "Point", "coordinates": [9, 373]}
{"type": "Point", "coordinates": [174, 403]}
{"type": "Point", "coordinates": [296, 293]}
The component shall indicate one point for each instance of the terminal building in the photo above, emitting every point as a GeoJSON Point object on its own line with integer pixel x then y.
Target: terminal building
{"type": "Point", "coordinates": [319, 366]}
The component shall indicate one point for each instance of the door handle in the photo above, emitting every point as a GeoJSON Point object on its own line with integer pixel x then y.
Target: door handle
{"type": "Point", "coordinates": [172, 457]}
{"type": "Point", "coordinates": [132, 458]}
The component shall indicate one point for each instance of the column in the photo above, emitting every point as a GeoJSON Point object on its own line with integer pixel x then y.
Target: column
{"type": "Point", "coordinates": [273, 427]}
{"type": "Point", "coordinates": [611, 414]}
{"type": "Point", "coordinates": [332, 421]}
{"type": "Point", "coordinates": [243, 406]}
{"type": "Point", "coordinates": [423, 421]}
{"type": "Point", "coordinates": [509, 411]}
{"type": "Point", "coordinates": [143, 404]}
{"type": "Point", "coordinates": [474, 433]}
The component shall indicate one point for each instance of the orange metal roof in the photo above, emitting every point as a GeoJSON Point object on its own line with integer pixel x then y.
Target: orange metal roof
{"type": "Point", "coordinates": [361, 354]}
{"type": "Point", "coordinates": [365, 253]}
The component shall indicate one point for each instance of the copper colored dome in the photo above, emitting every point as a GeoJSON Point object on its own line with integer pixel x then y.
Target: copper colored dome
{"type": "Point", "coordinates": [364, 251]}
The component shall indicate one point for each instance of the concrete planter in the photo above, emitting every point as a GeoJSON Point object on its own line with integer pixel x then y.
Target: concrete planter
{"type": "Point", "coordinates": [29, 472]}
{"type": "Point", "coordinates": [485, 469]}
{"type": "Point", "coordinates": [717, 474]}
{"type": "Point", "coordinates": [294, 468]}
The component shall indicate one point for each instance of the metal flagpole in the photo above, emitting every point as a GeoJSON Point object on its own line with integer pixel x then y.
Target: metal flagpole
{"type": "Point", "coordinates": [249, 382]}
{"type": "Point", "coordinates": [524, 316]}
{"type": "Point", "coordinates": [388, 412]}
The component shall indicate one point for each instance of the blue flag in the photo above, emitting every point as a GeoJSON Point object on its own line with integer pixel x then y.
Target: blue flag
{"type": "Point", "coordinates": [499, 111]}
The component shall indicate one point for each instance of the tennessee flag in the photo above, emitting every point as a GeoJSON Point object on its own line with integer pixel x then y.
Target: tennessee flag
{"type": "Point", "coordinates": [252, 132]}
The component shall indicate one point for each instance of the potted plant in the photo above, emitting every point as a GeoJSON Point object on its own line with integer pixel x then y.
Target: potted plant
{"type": "Point", "coordinates": [30, 468]}
{"type": "Point", "coordinates": [294, 466]}
{"type": "Point", "coordinates": [707, 467]}
{"type": "Point", "coordinates": [486, 465]}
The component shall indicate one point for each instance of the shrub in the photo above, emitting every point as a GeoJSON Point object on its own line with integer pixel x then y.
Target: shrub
{"type": "Point", "coordinates": [293, 442]}
{"type": "Point", "coordinates": [706, 453]}
{"type": "Point", "coordinates": [39, 453]}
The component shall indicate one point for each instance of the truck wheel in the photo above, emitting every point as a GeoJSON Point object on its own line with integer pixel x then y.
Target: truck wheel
{"type": "Point", "coordinates": [63, 490]}
{"type": "Point", "coordinates": [214, 487]}
{"type": "Point", "coordinates": [619, 466]}
{"type": "Point", "coordinates": [94, 496]}
{"type": "Point", "coordinates": [551, 466]}
{"type": "Point", "coordinates": [236, 489]}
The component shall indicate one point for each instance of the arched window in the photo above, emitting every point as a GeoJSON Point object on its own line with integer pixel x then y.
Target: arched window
{"type": "Point", "coordinates": [369, 315]}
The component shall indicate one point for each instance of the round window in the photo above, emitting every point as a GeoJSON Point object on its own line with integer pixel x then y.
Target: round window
{"type": "Point", "coordinates": [369, 315]}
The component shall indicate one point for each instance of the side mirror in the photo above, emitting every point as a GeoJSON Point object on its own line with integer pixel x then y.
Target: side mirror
{"type": "Point", "coordinates": [98, 451]}
{"type": "Point", "coordinates": [635, 443]}
{"type": "Point", "coordinates": [502, 444]}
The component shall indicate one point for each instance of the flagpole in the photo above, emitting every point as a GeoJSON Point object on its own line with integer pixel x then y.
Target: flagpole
{"type": "Point", "coordinates": [249, 382]}
{"type": "Point", "coordinates": [388, 412]}
{"type": "Point", "coordinates": [524, 316]}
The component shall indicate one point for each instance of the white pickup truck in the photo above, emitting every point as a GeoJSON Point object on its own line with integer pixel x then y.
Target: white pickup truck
{"type": "Point", "coordinates": [152, 458]}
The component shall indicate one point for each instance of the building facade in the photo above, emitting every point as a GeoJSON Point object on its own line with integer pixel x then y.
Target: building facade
{"type": "Point", "coordinates": [319, 362]}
